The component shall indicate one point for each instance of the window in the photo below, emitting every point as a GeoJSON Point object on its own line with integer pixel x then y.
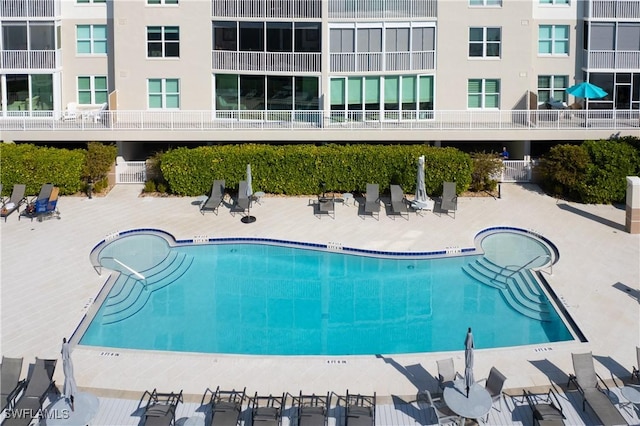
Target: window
{"type": "Point", "coordinates": [163, 93]}
{"type": "Point", "coordinates": [252, 36]}
{"type": "Point", "coordinates": [163, 42]}
{"type": "Point", "coordinates": [91, 39]}
{"type": "Point", "coordinates": [485, 2]}
{"type": "Point", "coordinates": [397, 39]}
{"type": "Point", "coordinates": [92, 89]}
{"type": "Point", "coordinates": [423, 39]}
{"type": "Point", "coordinates": [484, 42]}
{"type": "Point", "coordinates": [90, 1]}
{"type": "Point", "coordinates": [483, 93]}
{"type": "Point", "coordinates": [279, 36]}
{"type": "Point", "coordinates": [554, 2]}
{"type": "Point", "coordinates": [162, 1]}
{"type": "Point", "coordinates": [341, 40]}
{"type": "Point", "coordinates": [225, 35]}
{"type": "Point", "coordinates": [553, 40]}
{"type": "Point", "coordinates": [369, 40]}
{"type": "Point", "coordinates": [307, 37]}
{"type": "Point", "coordinates": [552, 87]}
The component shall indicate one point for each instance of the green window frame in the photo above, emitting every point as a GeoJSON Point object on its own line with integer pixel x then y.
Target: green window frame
{"type": "Point", "coordinates": [163, 42]}
{"type": "Point", "coordinates": [552, 87]}
{"type": "Point", "coordinates": [161, 2]}
{"type": "Point", "coordinates": [553, 40]}
{"type": "Point", "coordinates": [485, 3]}
{"type": "Point", "coordinates": [555, 2]}
{"type": "Point", "coordinates": [163, 93]}
{"type": "Point", "coordinates": [92, 89]}
{"type": "Point", "coordinates": [91, 39]}
{"type": "Point", "coordinates": [90, 1]}
{"type": "Point", "coordinates": [483, 93]}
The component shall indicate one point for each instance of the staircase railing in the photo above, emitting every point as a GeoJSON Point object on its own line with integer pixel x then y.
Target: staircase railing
{"type": "Point", "coordinates": [543, 256]}
{"type": "Point", "coordinates": [141, 278]}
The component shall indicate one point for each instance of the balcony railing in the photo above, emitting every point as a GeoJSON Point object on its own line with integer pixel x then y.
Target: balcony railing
{"type": "Point", "coordinates": [321, 120]}
{"type": "Point", "coordinates": [612, 59]}
{"type": "Point", "coordinates": [266, 8]}
{"type": "Point", "coordinates": [29, 8]}
{"type": "Point", "coordinates": [362, 9]}
{"type": "Point", "coordinates": [609, 9]}
{"type": "Point", "coordinates": [265, 61]}
{"type": "Point", "coordinates": [375, 62]}
{"type": "Point", "coordinates": [29, 59]}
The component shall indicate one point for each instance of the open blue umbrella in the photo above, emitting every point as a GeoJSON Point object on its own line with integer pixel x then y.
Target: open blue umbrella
{"type": "Point", "coordinates": [586, 90]}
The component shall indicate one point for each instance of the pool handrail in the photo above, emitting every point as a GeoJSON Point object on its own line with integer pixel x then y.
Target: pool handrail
{"type": "Point", "coordinates": [133, 271]}
{"type": "Point", "coordinates": [530, 262]}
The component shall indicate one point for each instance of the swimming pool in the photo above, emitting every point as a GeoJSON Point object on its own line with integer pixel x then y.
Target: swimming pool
{"type": "Point", "coordinates": [251, 296]}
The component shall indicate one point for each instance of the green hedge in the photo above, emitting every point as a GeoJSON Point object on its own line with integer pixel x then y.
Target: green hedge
{"type": "Point", "coordinates": [593, 172]}
{"type": "Point", "coordinates": [299, 169]}
{"type": "Point", "coordinates": [33, 166]}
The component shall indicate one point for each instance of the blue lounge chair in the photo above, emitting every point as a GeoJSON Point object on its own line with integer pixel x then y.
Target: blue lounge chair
{"type": "Point", "coordinates": [38, 204]}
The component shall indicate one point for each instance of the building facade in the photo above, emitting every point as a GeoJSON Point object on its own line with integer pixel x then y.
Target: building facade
{"type": "Point", "coordinates": [318, 70]}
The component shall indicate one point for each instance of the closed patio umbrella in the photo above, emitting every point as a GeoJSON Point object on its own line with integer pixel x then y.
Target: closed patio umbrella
{"type": "Point", "coordinates": [468, 361]}
{"type": "Point", "coordinates": [248, 218]}
{"type": "Point", "coordinates": [70, 388]}
{"type": "Point", "coordinates": [422, 200]}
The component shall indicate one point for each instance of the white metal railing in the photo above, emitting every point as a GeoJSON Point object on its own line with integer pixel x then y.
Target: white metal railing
{"type": "Point", "coordinates": [131, 171]}
{"type": "Point", "coordinates": [357, 9]}
{"type": "Point", "coordinates": [266, 8]}
{"type": "Point", "coordinates": [625, 9]}
{"type": "Point", "coordinates": [516, 171]}
{"type": "Point", "coordinates": [29, 8]}
{"type": "Point", "coordinates": [29, 59]}
{"type": "Point", "coordinates": [319, 120]}
{"type": "Point", "coordinates": [375, 62]}
{"type": "Point", "coordinates": [612, 59]}
{"type": "Point", "coordinates": [269, 61]}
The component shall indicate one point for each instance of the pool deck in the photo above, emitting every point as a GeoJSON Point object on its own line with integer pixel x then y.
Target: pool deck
{"type": "Point", "coordinates": [48, 284]}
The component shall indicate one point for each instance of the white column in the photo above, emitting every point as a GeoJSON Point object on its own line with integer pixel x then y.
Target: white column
{"type": "Point", "coordinates": [632, 220]}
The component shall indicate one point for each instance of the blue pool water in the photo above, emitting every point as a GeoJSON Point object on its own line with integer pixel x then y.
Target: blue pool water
{"type": "Point", "coordinates": [267, 299]}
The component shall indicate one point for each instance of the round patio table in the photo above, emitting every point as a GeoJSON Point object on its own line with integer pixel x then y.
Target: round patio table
{"type": "Point", "coordinates": [476, 406]}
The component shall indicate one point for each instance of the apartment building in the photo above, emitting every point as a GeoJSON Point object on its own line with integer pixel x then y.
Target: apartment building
{"type": "Point", "coordinates": [210, 71]}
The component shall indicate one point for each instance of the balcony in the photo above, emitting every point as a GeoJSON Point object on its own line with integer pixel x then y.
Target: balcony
{"type": "Point", "coordinates": [266, 8]}
{"type": "Point", "coordinates": [386, 9]}
{"type": "Point", "coordinates": [426, 123]}
{"type": "Point", "coordinates": [613, 9]}
{"type": "Point", "coordinates": [265, 61]}
{"type": "Point", "coordinates": [378, 62]}
{"type": "Point", "coordinates": [29, 8]}
{"type": "Point", "coordinates": [29, 59]}
{"type": "Point", "coordinates": [612, 60]}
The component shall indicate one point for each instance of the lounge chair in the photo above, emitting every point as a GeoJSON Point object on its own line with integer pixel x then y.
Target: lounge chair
{"type": "Point", "coordinates": [449, 200]}
{"type": "Point", "coordinates": [372, 200]}
{"type": "Point", "coordinates": [594, 390]}
{"type": "Point", "coordinates": [325, 205]}
{"type": "Point", "coordinates": [51, 208]}
{"type": "Point", "coordinates": [546, 408]}
{"type": "Point", "coordinates": [71, 113]}
{"type": "Point", "coordinates": [360, 410]}
{"type": "Point", "coordinates": [33, 393]}
{"type": "Point", "coordinates": [10, 382]}
{"type": "Point", "coordinates": [37, 204]}
{"type": "Point", "coordinates": [636, 370]}
{"type": "Point", "coordinates": [243, 201]}
{"type": "Point", "coordinates": [446, 372]}
{"type": "Point", "coordinates": [226, 407]}
{"type": "Point", "coordinates": [443, 414]}
{"type": "Point", "coordinates": [160, 409]}
{"type": "Point", "coordinates": [215, 199]}
{"type": "Point", "coordinates": [399, 203]}
{"type": "Point", "coordinates": [267, 410]}
{"type": "Point", "coordinates": [14, 202]}
{"type": "Point", "coordinates": [96, 115]}
{"type": "Point", "coordinates": [312, 410]}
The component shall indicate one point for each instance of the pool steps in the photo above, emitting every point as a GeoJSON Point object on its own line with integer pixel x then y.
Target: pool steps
{"type": "Point", "coordinates": [130, 294]}
{"type": "Point", "coordinates": [519, 289]}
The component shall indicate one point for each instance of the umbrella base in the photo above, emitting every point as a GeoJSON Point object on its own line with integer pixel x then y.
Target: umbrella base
{"type": "Point", "coordinates": [248, 219]}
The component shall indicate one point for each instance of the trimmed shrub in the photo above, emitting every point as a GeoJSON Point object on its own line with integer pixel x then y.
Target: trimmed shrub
{"type": "Point", "coordinates": [299, 169]}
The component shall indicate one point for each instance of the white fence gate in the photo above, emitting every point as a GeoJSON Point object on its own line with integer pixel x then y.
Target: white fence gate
{"type": "Point", "coordinates": [131, 171]}
{"type": "Point", "coordinates": [516, 170]}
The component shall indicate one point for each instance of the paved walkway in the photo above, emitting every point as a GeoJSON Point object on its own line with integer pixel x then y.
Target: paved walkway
{"type": "Point", "coordinates": [48, 284]}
